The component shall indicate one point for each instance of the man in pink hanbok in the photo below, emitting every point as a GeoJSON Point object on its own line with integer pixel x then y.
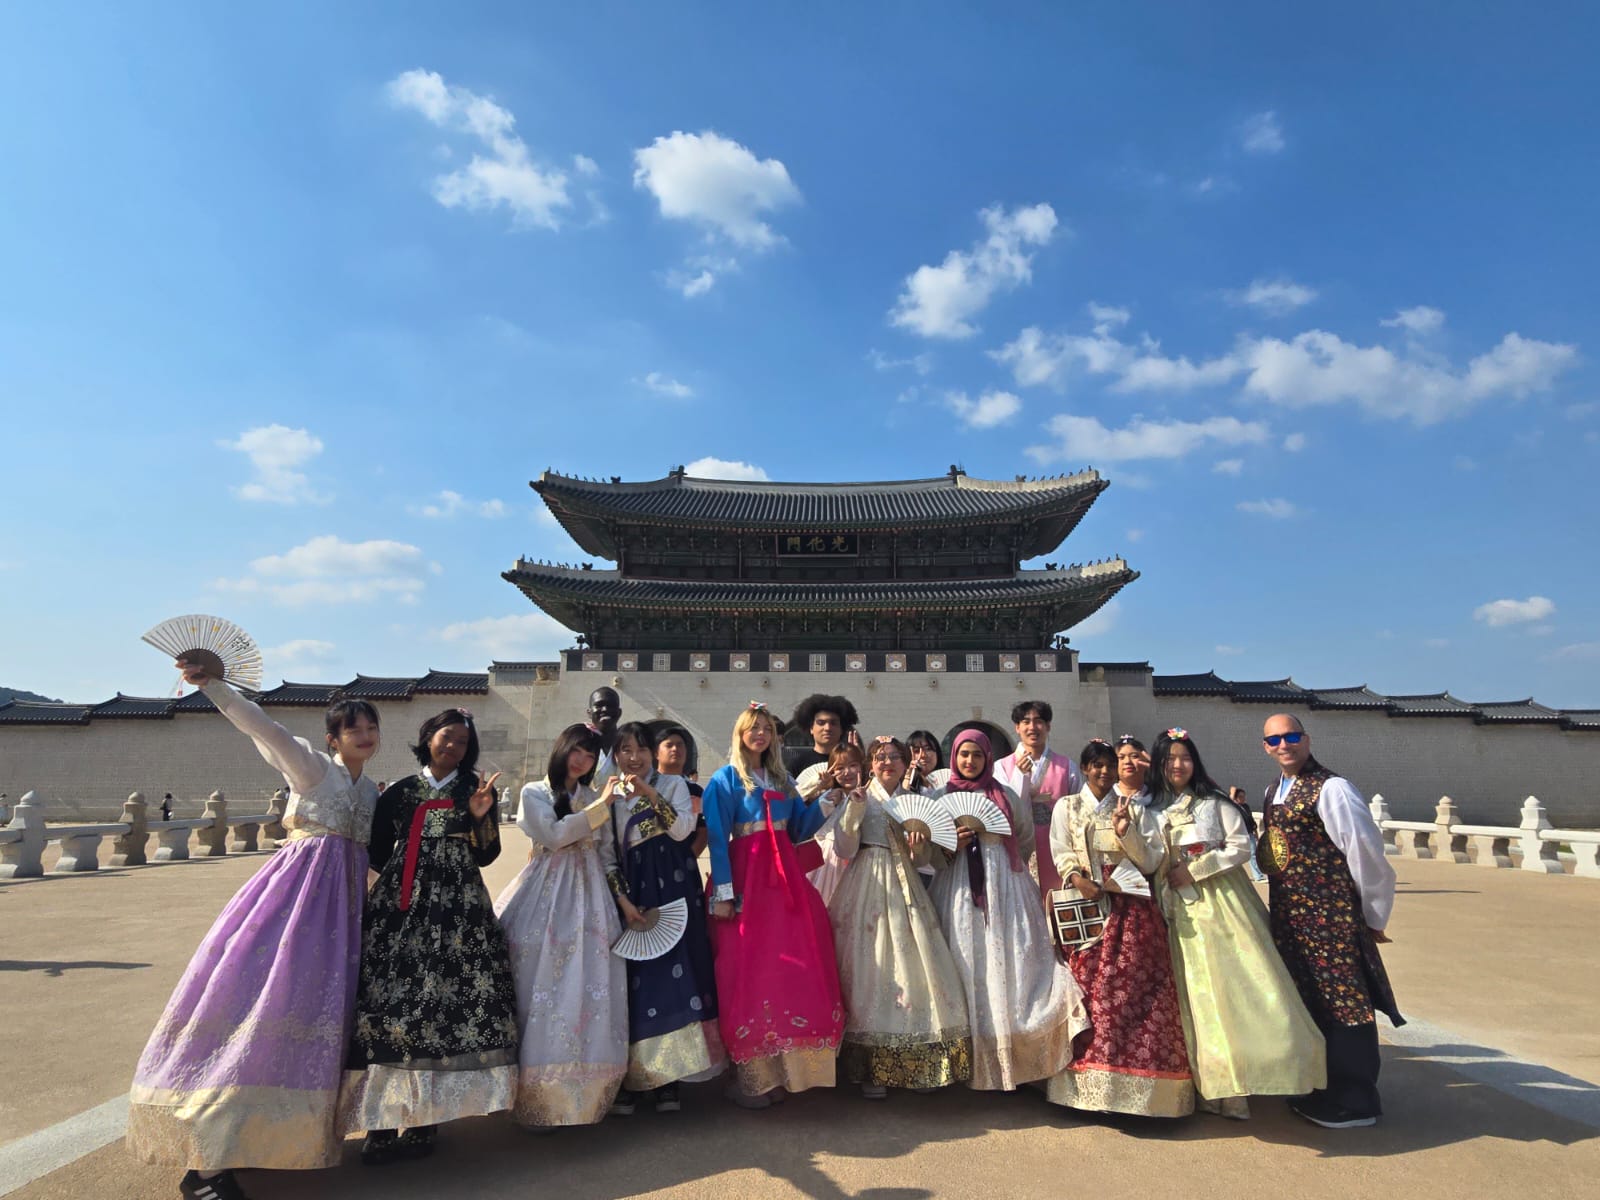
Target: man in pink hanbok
{"type": "Point", "coordinates": [1040, 777]}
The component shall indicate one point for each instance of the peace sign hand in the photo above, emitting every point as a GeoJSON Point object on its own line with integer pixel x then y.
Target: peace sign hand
{"type": "Point", "coordinates": [1122, 816]}
{"type": "Point", "coordinates": [483, 799]}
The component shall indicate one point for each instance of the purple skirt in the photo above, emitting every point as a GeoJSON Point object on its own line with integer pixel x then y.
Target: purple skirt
{"type": "Point", "coordinates": [243, 1069]}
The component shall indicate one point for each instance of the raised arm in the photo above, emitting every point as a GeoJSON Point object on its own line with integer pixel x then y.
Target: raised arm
{"type": "Point", "coordinates": [299, 764]}
{"type": "Point", "coordinates": [537, 818]}
{"type": "Point", "coordinates": [847, 828]}
{"type": "Point", "coordinates": [1143, 843]}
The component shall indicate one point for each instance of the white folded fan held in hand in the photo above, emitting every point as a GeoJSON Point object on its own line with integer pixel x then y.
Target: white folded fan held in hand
{"type": "Point", "coordinates": [977, 811]}
{"type": "Point", "coordinates": [219, 648]}
{"type": "Point", "coordinates": [663, 929]}
{"type": "Point", "coordinates": [910, 809]}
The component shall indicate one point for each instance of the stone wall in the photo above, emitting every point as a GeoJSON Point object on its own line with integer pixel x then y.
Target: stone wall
{"type": "Point", "coordinates": [85, 772]}
{"type": "Point", "coordinates": [1488, 770]}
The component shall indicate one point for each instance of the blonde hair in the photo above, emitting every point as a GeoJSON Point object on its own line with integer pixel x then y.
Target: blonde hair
{"type": "Point", "coordinates": [771, 761]}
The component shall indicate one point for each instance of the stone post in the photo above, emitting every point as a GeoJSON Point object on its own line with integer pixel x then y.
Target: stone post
{"type": "Point", "coordinates": [1587, 855]}
{"type": "Point", "coordinates": [1494, 850]}
{"type": "Point", "coordinates": [1380, 814]}
{"type": "Point", "coordinates": [1448, 846]}
{"type": "Point", "coordinates": [129, 848]}
{"type": "Point", "coordinates": [245, 838]}
{"type": "Point", "coordinates": [24, 858]}
{"type": "Point", "coordinates": [79, 852]}
{"type": "Point", "coordinates": [213, 838]}
{"type": "Point", "coordinates": [273, 830]}
{"type": "Point", "coordinates": [1537, 854]}
{"type": "Point", "coordinates": [172, 841]}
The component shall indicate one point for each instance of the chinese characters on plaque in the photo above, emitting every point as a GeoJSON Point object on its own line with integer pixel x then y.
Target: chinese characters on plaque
{"type": "Point", "coordinates": [813, 545]}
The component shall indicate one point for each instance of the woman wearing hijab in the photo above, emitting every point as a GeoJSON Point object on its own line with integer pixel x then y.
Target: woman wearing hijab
{"type": "Point", "coordinates": [1023, 1005]}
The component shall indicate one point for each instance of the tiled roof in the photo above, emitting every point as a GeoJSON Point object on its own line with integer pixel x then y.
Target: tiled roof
{"type": "Point", "coordinates": [1361, 697]}
{"type": "Point", "coordinates": [1208, 684]}
{"type": "Point", "coordinates": [1514, 712]}
{"type": "Point", "coordinates": [377, 687]}
{"type": "Point", "coordinates": [159, 708]}
{"type": "Point", "coordinates": [1269, 691]}
{"type": "Point", "coordinates": [195, 701]}
{"type": "Point", "coordinates": [319, 695]}
{"type": "Point", "coordinates": [435, 682]}
{"type": "Point", "coordinates": [571, 596]}
{"type": "Point", "coordinates": [1586, 719]}
{"type": "Point", "coordinates": [1115, 668]}
{"type": "Point", "coordinates": [32, 712]}
{"type": "Point", "coordinates": [589, 509]}
{"type": "Point", "coordinates": [1436, 704]}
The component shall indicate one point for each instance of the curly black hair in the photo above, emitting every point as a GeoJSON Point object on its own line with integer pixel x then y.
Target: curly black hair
{"type": "Point", "coordinates": [806, 712]}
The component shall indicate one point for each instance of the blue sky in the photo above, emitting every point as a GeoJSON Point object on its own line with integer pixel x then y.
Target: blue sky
{"type": "Point", "coordinates": [298, 302]}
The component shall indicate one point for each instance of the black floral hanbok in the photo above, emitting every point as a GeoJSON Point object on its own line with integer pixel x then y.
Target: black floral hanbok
{"type": "Point", "coordinates": [436, 1027]}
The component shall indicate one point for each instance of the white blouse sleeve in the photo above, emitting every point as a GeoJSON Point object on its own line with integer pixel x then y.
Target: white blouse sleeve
{"type": "Point", "coordinates": [1349, 823]}
{"type": "Point", "coordinates": [300, 765]}
{"type": "Point", "coordinates": [1235, 849]}
{"type": "Point", "coordinates": [537, 818]}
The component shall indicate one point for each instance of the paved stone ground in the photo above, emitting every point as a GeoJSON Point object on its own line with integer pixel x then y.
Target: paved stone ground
{"type": "Point", "coordinates": [1494, 1087]}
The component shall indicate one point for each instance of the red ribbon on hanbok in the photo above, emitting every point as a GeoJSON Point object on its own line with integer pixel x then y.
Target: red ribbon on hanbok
{"type": "Point", "coordinates": [768, 795]}
{"type": "Point", "coordinates": [414, 847]}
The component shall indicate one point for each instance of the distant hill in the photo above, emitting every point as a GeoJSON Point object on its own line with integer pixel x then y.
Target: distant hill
{"type": "Point", "coordinates": [7, 695]}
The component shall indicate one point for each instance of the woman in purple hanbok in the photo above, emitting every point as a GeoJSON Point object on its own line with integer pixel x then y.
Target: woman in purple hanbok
{"type": "Point", "coordinates": [243, 1069]}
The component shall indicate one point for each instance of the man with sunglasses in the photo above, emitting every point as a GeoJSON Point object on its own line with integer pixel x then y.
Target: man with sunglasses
{"type": "Point", "coordinates": [1331, 892]}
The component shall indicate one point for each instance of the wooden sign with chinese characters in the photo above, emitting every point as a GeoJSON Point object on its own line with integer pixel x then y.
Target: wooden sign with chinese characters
{"type": "Point", "coordinates": [813, 545]}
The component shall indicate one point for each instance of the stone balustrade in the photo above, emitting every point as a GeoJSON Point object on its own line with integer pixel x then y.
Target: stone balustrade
{"type": "Point", "coordinates": [1532, 845]}
{"type": "Point", "coordinates": [23, 841]}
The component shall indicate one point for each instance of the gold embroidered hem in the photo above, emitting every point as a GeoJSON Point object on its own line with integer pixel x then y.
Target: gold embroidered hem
{"type": "Point", "coordinates": [999, 1065]}
{"type": "Point", "coordinates": [692, 1054]}
{"type": "Point", "coordinates": [906, 1062]}
{"type": "Point", "coordinates": [280, 1129]}
{"type": "Point", "coordinates": [793, 1070]}
{"type": "Point", "coordinates": [1098, 1090]}
{"type": "Point", "coordinates": [393, 1097]}
{"type": "Point", "coordinates": [579, 1094]}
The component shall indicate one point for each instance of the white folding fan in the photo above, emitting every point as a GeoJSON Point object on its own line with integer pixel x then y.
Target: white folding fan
{"type": "Point", "coordinates": [910, 809]}
{"type": "Point", "coordinates": [663, 929]}
{"type": "Point", "coordinates": [220, 648]}
{"type": "Point", "coordinates": [977, 811]}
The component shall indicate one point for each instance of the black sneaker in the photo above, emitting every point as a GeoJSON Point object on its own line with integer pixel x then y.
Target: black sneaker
{"type": "Point", "coordinates": [624, 1104]}
{"type": "Point", "coordinates": [380, 1146]}
{"type": "Point", "coordinates": [417, 1142]}
{"type": "Point", "coordinates": [219, 1187]}
{"type": "Point", "coordinates": [1319, 1110]}
{"type": "Point", "coordinates": [667, 1099]}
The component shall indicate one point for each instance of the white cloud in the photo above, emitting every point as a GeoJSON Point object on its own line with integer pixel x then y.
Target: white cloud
{"type": "Point", "coordinates": [717, 184]}
{"type": "Point", "coordinates": [1576, 652]}
{"type": "Point", "coordinates": [1108, 316]}
{"type": "Point", "coordinates": [300, 650]}
{"type": "Point", "coordinates": [544, 516]}
{"type": "Point", "coordinates": [504, 173]}
{"type": "Point", "coordinates": [521, 637]}
{"type": "Point", "coordinates": [697, 285]}
{"type": "Point", "coordinates": [453, 504]}
{"type": "Point", "coordinates": [1085, 439]}
{"type": "Point", "coordinates": [1037, 358]}
{"type": "Point", "coordinates": [1419, 320]}
{"type": "Point", "coordinates": [987, 411]}
{"type": "Point", "coordinates": [328, 570]}
{"type": "Point", "coordinates": [1277, 509]}
{"type": "Point", "coordinates": [940, 301]}
{"type": "Point", "coordinates": [584, 165]}
{"type": "Point", "coordinates": [1275, 296]}
{"type": "Point", "coordinates": [1136, 535]}
{"type": "Point", "coordinates": [721, 468]}
{"type": "Point", "coordinates": [1228, 466]}
{"type": "Point", "coordinates": [275, 453]}
{"type": "Point", "coordinates": [920, 363]}
{"type": "Point", "coordinates": [1577, 412]}
{"type": "Point", "coordinates": [1514, 612]}
{"type": "Point", "coordinates": [1102, 620]}
{"type": "Point", "coordinates": [1262, 133]}
{"type": "Point", "coordinates": [1295, 443]}
{"type": "Point", "coordinates": [1319, 368]}
{"type": "Point", "coordinates": [1227, 651]}
{"type": "Point", "coordinates": [665, 385]}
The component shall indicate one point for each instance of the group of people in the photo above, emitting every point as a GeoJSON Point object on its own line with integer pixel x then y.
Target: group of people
{"type": "Point", "coordinates": [840, 937]}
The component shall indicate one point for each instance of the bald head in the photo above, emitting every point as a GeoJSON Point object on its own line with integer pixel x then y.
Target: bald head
{"type": "Point", "coordinates": [1290, 756]}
